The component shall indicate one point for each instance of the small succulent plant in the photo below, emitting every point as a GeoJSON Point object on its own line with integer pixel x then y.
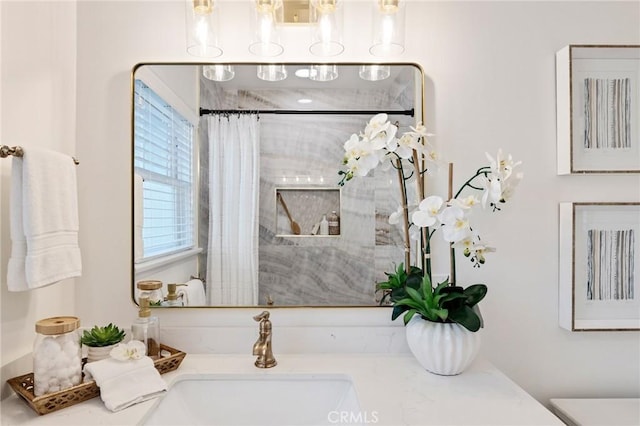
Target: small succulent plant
{"type": "Point", "coordinates": [102, 336]}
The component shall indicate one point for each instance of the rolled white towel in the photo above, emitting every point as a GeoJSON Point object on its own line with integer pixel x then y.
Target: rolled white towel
{"type": "Point", "coordinates": [192, 293]}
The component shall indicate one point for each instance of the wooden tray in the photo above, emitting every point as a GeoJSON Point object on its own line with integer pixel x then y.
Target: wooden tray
{"type": "Point", "coordinates": [23, 386]}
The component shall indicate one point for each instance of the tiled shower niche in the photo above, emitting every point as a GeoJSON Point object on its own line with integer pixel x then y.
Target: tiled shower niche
{"type": "Point", "coordinates": [301, 211]}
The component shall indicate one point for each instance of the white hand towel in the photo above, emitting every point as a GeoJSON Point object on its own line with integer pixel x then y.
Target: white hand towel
{"type": "Point", "coordinates": [192, 293]}
{"type": "Point", "coordinates": [125, 383]}
{"type": "Point", "coordinates": [44, 220]}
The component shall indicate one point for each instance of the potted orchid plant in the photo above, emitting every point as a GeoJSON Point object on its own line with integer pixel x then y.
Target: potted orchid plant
{"type": "Point", "coordinates": [410, 288]}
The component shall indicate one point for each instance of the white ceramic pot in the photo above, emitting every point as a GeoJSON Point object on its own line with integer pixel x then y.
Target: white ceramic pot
{"type": "Point", "coordinates": [442, 348]}
{"type": "Point", "coordinates": [96, 353]}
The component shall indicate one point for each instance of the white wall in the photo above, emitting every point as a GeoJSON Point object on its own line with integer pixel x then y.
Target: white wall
{"type": "Point", "coordinates": [37, 87]}
{"type": "Point", "coordinates": [490, 84]}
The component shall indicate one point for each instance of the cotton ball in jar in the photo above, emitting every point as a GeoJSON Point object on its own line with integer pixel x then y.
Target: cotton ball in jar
{"type": "Point", "coordinates": [65, 384]}
{"type": "Point", "coordinates": [48, 349]}
{"type": "Point", "coordinates": [70, 348]}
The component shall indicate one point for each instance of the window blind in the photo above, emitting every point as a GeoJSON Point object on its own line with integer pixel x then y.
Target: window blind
{"type": "Point", "coordinates": [163, 157]}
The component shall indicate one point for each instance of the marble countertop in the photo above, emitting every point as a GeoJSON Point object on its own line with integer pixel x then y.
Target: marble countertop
{"type": "Point", "coordinates": [597, 411]}
{"type": "Point", "coordinates": [394, 386]}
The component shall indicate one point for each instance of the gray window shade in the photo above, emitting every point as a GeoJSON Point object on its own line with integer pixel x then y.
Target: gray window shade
{"type": "Point", "coordinates": [163, 156]}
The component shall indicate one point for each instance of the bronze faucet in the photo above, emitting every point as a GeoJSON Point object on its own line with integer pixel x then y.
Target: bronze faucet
{"type": "Point", "coordinates": [262, 347]}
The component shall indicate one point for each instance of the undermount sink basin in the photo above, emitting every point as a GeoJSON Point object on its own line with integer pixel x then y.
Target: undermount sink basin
{"type": "Point", "coordinates": [252, 399]}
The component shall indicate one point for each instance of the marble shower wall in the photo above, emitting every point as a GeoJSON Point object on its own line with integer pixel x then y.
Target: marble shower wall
{"type": "Point", "coordinates": [304, 153]}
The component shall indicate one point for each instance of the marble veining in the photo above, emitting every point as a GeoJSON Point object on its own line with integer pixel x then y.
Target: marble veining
{"type": "Point", "coordinates": [301, 153]}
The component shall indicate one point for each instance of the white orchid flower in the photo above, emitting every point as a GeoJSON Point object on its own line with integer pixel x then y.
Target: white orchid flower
{"type": "Point", "coordinates": [509, 186]}
{"type": "Point", "coordinates": [465, 203]}
{"type": "Point", "coordinates": [479, 251]}
{"type": "Point", "coordinates": [500, 166]}
{"type": "Point", "coordinates": [384, 139]}
{"type": "Point", "coordinates": [135, 349]}
{"type": "Point", "coordinates": [408, 143]}
{"type": "Point", "coordinates": [396, 217]}
{"type": "Point", "coordinates": [378, 123]}
{"type": "Point", "coordinates": [492, 190]}
{"type": "Point", "coordinates": [415, 234]}
{"type": "Point", "coordinates": [455, 225]}
{"type": "Point", "coordinates": [428, 210]}
{"type": "Point", "coordinates": [359, 157]}
{"type": "Point", "coordinates": [421, 130]}
{"type": "Point", "coordinates": [465, 244]}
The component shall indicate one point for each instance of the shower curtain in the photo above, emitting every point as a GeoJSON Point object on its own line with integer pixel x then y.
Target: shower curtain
{"type": "Point", "coordinates": [234, 178]}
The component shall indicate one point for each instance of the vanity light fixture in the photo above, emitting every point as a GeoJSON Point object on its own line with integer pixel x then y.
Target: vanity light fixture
{"type": "Point", "coordinates": [323, 72]}
{"type": "Point", "coordinates": [218, 72]}
{"type": "Point", "coordinates": [202, 27]}
{"type": "Point", "coordinates": [272, 72]}
{"type": "Point", "coordinates": [325, 17]}
{"type": "Point", "coordinates": [267, 15]}
{"type": "Point", "coordinates": [374, 72]}
{"type": "Point", "coordinates": [388, 28]}
{"type": "Point", "coordinates": [303, 72]}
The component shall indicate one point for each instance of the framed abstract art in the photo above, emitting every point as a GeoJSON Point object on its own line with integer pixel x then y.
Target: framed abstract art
{"type": "Point", "coordinates": [599, 266]}
{"type": "Point", "coordinates": [598, 109]}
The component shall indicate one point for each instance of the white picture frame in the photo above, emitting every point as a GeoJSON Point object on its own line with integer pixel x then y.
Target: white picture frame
{"type": "Point", "coordinates": [598, 109]}
{"type": "Point", "coordinates": [599, 274]}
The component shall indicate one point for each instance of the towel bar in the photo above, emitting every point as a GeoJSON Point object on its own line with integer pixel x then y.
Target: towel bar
{"type": "Point", "coordinates": [17, 151]}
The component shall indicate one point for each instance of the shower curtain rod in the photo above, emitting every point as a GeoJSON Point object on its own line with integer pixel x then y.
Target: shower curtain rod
{"type": "Point", "coordinates": [203, 111]}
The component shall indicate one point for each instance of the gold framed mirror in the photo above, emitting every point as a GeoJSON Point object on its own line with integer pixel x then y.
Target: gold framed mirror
{"type": "Point", "coordinates": [235, 180]}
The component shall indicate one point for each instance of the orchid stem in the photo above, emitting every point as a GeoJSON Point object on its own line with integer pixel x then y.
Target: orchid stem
{"type": "Point", "coordinates": [425, 248]}
{"type": "Point", "coordinates": [481, 171]}
{"type": "Point", "coordinates": [452, 252]}
{"type": "Point", "coordinates": [405, 215]}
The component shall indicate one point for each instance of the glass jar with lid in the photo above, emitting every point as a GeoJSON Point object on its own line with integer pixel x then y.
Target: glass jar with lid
{"type": "Point", "coordinates": [57, 355]}
{"type": "Point", "coordinates": [151, 289]}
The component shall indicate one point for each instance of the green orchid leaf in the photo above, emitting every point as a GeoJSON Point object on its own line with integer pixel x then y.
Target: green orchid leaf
{"type": "Point", "coordinates": [413, 294]}
{"type": "Point", "coordinates": [427, 290]}
{"type": "Point", "coordinates": [442, 286]}
{"type": "Point", "coordinates": [443, 314]}
{"type": "Point", "coordinates": [475, 293]}
{"type": "Point", "coordinates": [407, 317]}
{"type": "Point", "coordinates": [398, 310]}
{"type": "Point", "coordinates": [466, 317]}
{"type": "Point", "coordinates": [410, 303]}
{"type": "Point", "coordinates": [444, 298]}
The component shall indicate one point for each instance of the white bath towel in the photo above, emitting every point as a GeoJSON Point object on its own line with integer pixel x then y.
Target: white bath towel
{"type": "Point", "coordinates": [44, 220]}
{"type": "Point", "coordinates": [125, 383]}
{"type": "Point", "coordinates": [192, 293]}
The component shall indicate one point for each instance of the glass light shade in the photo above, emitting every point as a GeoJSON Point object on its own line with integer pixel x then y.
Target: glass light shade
{"type": "Point", "coordinates": [267, 15]}
{"type": "Point", "coordinates": [388, 28]}
{"type": "Point", "coordinates": [323, 72]}
{"type": "Point", "coordinates": [218, 72]}
{"type": "Point", "coordinates": [326, 19]}
{"type": "Point", "coordinates": [374, 72]}
{"type": "Point", "coordinates": [202, 26]}
{"type": "Point", "coordinates": [274, 72]}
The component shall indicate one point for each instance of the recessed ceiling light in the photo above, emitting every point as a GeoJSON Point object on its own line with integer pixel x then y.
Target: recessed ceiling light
{"type": "Point", "coordinates": [304, 101]}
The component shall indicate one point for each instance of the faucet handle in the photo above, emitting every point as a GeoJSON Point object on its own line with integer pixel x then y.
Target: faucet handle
{"type": "Point", "coordinates": [264, 316]}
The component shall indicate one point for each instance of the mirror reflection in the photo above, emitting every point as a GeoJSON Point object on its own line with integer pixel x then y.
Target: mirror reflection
{"type": "Point", "coordinates": [235, 182]}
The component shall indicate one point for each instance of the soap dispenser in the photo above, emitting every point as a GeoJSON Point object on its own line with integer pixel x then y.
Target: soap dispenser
{"type": "Point", "coordinates": [172, 296]}
{"type": "Point", "coordinates": [146, 329]}
{"type": "Point", "coordinates": [324, 226]}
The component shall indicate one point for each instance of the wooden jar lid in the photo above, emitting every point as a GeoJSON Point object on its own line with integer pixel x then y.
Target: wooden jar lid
{"type": "Point", "coordinates": [57, 325]}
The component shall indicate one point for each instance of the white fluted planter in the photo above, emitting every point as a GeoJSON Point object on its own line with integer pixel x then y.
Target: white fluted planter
{"type": "Point", "coordinates": [96, 353]}
{"type": "Point", "coordinates": [442, 348]}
